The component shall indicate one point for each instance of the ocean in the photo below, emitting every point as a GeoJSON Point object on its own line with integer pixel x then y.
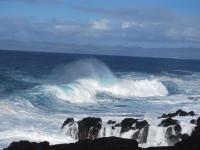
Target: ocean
{"type": "Point", "coordinates": [38, 91]}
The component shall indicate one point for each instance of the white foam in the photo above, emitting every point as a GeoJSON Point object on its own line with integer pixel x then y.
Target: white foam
{"type": "Point", "coordinates": [85, 90]}
{"type": "Point", "coordinates": [82, 80]}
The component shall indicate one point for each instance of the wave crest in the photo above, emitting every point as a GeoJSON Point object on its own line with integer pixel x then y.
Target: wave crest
{"type": "Point", "coordinates": [90, 77]}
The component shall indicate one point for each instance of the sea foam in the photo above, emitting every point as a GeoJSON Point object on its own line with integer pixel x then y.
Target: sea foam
{"type": "Point", "coordinates": [90, 77]}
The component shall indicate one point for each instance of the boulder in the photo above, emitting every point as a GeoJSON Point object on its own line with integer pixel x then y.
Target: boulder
{"type": "Point", "coordinates": [67, 121]}
{"type": "Point", "coordinates": [142, 128]}
{"type": "Point", "coordinates": [178, 113]}
{"type": "Point", "coordinates": [111, 122]}
{"type": "Point", "coordinates": [173, 130]}
{"type": "Point", "coordinates": [88, 128]}
{"type": "Point", "coordinates": [168, 122]}
{"type": "Point", "coordinates": [127, 124]}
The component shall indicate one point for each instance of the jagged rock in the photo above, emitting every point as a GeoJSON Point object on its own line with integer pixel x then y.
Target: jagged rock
{"type": "Point", "coordinates": [198, 121]}
{"type": "Point", "coordinates": [111, 122]}
{"type": "Point", "coordinates": [108, 143]}
{"type": "Point", "coordinates": [173, 130]}
{"type": "Point", "coordinates": [178, 113]}
{"type": "Point", "coordinates": [143, 134]}
{"type": "Point", "coordinates": [196, 131]}
{"type": "Point", "coordinates": [193, 121]}
{"type": "Point", "coordinates": [127, 123]}
{"type": "Point", "coordinates": [88, 128]}
{"type": "Point", "coordinates": [168, 122]}
{"type": "Point", "coordinates": [67, 121]}
{"type": "Point", "coordinates": [172, 134]}
{"type": "Point", "coordinates": [142, 128]}
{"type": "Point", "coordinates": [141, 124]}
{"type": "Point", "coordinates": [118, 125]}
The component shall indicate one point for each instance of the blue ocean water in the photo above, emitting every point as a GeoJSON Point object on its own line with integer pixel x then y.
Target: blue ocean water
{"type": "Point", "coordinates": [38, 91]}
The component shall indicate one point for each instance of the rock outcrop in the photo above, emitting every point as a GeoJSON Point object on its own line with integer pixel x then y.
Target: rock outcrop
{"type": "Point", "coordinates": [178, 113]}
{"type": "Point", "coordinates": [108, 143]}
{"type": "Point", "coordinates": [173, 130]}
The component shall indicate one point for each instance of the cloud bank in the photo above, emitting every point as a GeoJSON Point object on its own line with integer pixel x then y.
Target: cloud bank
{"type": "Point", "coordinates": [123, 26]}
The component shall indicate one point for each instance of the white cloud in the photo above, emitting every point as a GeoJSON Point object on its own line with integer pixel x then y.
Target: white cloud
{"type": "Point", "coordinates": [125, 25]}
{"type": "Point", "coordinates": [65, 27]}
{"type": "Point", "coordinates": [129, 24]}
{"type": "Point", "coordinates": [100, 24]}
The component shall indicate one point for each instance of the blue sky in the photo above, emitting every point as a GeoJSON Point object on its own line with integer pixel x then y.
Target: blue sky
{"type": "Point", "coordinates": [145, 23]}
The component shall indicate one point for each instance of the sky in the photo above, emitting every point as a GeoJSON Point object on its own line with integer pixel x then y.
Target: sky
{"type": "Point", "coordinates": [143, 23]}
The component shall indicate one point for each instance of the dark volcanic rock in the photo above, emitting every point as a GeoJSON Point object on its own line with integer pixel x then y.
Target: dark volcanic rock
{"type": "Point", "coordinates": [173, 130]}
{"type": "Point", "coordinates": [198, 121]}
{"type": "Point", "coordinates": [111, 122]}
{"type": "Point", "coordinates": [141, 124]}
{"type": "Point", "coordinates": [191, 143]}
{"type": "Point", "coordinates": [142, 128]}
{"type": "Point", "coordinates": [178, 113]}
{"type": "Point", "coordinates": [109, 143]}
{"type": "Point", "coordinates": [172, 134]}
{"type": "Point", "coordinates": [67, 121]}
{"type": "Point", "coordinates": [193, 121]}
{"type": "Point", "coordinates": [127, 123]}
{"type": "Point", "coordinates": [26, 145]}
{"type": "Point", "coordinates": [196, 131]}
{"type": "Point", "coordinates": [168, 122]}
{"type": "Point", "coordinates": [88, 128]}
{"type": "Point", "coordinates": [183, 136]}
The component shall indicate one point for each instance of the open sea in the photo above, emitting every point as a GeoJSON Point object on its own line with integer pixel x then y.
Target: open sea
{"type": "Point", "coordinates": [38, 91]}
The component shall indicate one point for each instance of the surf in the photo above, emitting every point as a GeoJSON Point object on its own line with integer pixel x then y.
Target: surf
{"type": "Point", "coordinates": [83, 80]}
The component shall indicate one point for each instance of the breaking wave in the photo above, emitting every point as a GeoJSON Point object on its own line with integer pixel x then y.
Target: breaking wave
{"type": "Point", "coordinates": [81, 81]}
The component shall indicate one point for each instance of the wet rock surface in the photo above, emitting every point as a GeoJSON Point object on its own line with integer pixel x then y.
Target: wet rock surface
{"type": "Point", "coordinates": [168, 122]}
{"type": "Point", "coordinates": [196, 131]}
{"type": "Point", "coordinates": [178, 113]}
{"type": "Point", "coordinates": [67, 121]}
{"type": "Point", "coordinates": [173, 130]}
{"type": "Point", "coordinates": [108, 143]}
{"type": "Point", "coordinates": [87, 130]}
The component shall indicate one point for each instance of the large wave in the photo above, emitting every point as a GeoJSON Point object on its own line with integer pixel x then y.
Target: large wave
{"type": "Point", "coordinates": [82, 80]}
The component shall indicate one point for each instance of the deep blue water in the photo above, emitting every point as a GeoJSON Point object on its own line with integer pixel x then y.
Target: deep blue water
{"type": "Point", "coordinates": [39, 90]}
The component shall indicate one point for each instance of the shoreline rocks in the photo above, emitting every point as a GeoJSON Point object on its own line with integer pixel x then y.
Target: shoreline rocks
{"type": "Point", "coordinates": [89, 128]}
{"type": "Point", "coordinates": [93, 134]}
{"type": "Point", "coordinates": [106, 143]}
{"type": "Point", "coordinates": [178, 113]}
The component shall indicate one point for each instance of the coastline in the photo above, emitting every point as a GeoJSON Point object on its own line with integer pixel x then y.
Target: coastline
{"type": "Point", "coordinates": [88, 130]}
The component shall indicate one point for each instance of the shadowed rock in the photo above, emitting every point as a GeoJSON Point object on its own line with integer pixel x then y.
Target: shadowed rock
{"type": "Point", "coordinates": [173, 130]}
{"type": "Point", "coordinates": [141, 127]}
{"type": "Point", "coordinates": [67, 121]}
{"type": "Point", "coordinates": [196, 131]}
{"type": "Point", "coordinates": [88, 128]}
{"type": "Point", "coordinates": [109, 143]}
{"type": "Point", "coordinates": [168, 122]}
{"type": "Point", "coordinates": [178, 113]}
{"type": "Point", "coordinates": [26, 145]}
{"type": "Point", "coordinates": [127, 124]}
{"type": "Point", "coordinates": [111, 122]}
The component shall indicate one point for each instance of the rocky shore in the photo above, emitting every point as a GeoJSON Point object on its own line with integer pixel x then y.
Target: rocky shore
{"type": "Point", "coordinates": [87, 131]}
